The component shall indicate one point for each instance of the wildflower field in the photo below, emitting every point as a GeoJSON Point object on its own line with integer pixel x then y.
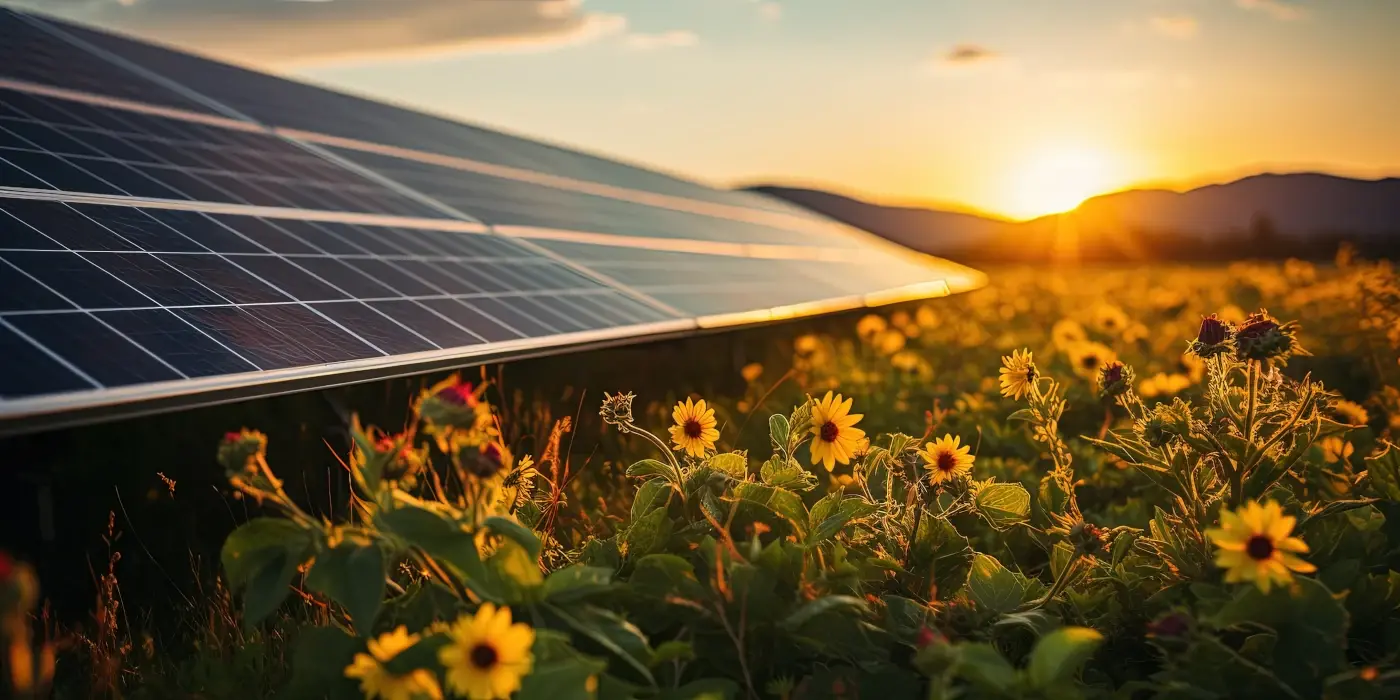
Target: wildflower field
{"type": "Point", "coordinates": [1084, 483]}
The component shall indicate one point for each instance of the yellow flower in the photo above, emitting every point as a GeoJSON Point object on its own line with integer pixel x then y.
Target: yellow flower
{"type": "Point", "coordinates": [694, 430]}
{"type": "Point", "coordinates": [1254, 545]}
{"type": "Point", "coordinates": [1162, 384]}
{"type": "Point", "coordinates": [946, 458]}
{"type": "Point", "coordinates": [901, 319]}
{"type": "Point", "coordinates": [1066, 333]}
{"type": "Point", "coordinates": [1110, 319]}
{"type": "Point", "coordinates": [1087, 358]}
{"type": "Point", "coordinates": [1350, 412]}
{"type": "Point", "coordinates": [836, 437]}
{"type": "Point", "coordinates": [905, 361]}
{"type": "Point", "coordinates": [926, 318]}
{"type": "Point", "coordinates": [377, 682]}
{"type": "Point", "coordinates": [1018, 374]}
{"type": "Point", "coordinates": [870, 326]}
{"type": "Point", "coordinates": [752, 371]}
{"type": "Point", "coordinates": [806, 344]}
{"type": "Point", "coordinates": [1335, 449]}
{"type": "Point", "coordinates": [488, 655]}
{"type": "Point", "coordinates": [889, 342]}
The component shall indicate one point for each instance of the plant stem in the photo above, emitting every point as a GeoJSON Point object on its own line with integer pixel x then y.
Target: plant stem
{"type": "Point", "coordinates": [1253, 400]}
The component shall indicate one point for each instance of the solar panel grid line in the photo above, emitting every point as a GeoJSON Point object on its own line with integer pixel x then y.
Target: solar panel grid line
{"type": "Point", "coordinates": [52, 355]}
{"type": "Point", "coordinates": [123, 282]}
{"type": "Point", "coordinates": [565, 183]}
{"type": "Point", "coordinates": [459, 214]}
{"type": "Point", "coordinates": [136, 69]}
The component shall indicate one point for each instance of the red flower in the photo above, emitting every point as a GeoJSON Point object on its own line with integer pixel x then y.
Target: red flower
{"type": "Point", "coordinates": [233, 437]}
{"type": "Point", "coordinates": [928, 636]}
{"type": "Point", "coordinates": [7, 567]}
{"type": "Point", "coordinates": [459, 394]}
{"type": "Point", "coordinates": [1213, 330]}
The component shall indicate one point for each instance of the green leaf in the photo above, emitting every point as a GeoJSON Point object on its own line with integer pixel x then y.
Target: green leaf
{"type": "Point", "coordinates": [826, 604]}
{"type": "Point", "coordinates": [674, 650]}
{"type": "Point", "coordinates": [786, 473]}
{"type": "Point", "coordinates": [1004, 505]}
{"type": "Point", "coordinates": [1024, 414]}
{"type": "Point", "coordinates": [574, 583]}
{"type": "Point", "coordinates": [652, 494]}
{"type": "Point", "coordinates": [512, 530]}
{"type": "Point", "coordinates": [664, 575]}
{"type": "Point", "coordinates": [1057, 656]}
{"type": "Point", "coordinates": [994, 587]}
{"type": "Point", "coordinates": [319, 658]}
{"type": "Point", "coordinates": [703, 689]}
{"type": "Point", "coordinates": [825, 508]}
{"type": "Point", "coordinates": [613, 633]}
{"type": "Point", "coordinates": [247, 547]}
{"type": "Point", "coordinates": [905, 617]}
{"type": "Point", "coordinates": [941, 556]}
{"type": "Point", "coordinates": [517, 573]}
{"type": "Point", "coordinates": [650, 468]}
{"type": "Point", "coordinates": [1384, 470]}
{"type": "Point", "coordinates": [260, 559]}
{"type": "Point", "coordinates": [779, 430]}
{"type": "Point", "coordinates": [649, 534]}
{"type": "Point", "coordinates": [984, 667]}
{"type": "Point", "coordinates": [1311, 625]}
{"type": "Point", "coordinates": [782, 502]}
{"type": "Point", "coordinates": [735, 464]}
{"type": "Point", "coordinates": [352, 574]}
{"type": "Point", "coordinates": [444, 541]}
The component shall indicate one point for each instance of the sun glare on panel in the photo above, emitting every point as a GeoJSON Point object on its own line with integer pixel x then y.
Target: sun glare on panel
{"type": "Point", "coordinates": [1058, 179]}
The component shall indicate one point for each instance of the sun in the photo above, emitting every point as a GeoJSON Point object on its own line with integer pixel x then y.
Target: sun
{"type": "Point", "coordinates": [1058, 179]}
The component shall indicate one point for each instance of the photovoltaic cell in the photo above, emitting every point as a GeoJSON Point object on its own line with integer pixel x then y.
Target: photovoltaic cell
{"type": "Point", "coordinates": [74, 147]}
{"type": "Point", "coordinates": [30, 53]}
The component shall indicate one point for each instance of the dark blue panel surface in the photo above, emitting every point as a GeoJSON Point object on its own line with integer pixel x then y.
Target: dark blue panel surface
{"type": "Point", "coordinates": [42, 374]}
{"type": "Point", "coordinates": [92, 347]}
{"type": "Point", "coordinates": [80, 281]}
{"type": "Point", "coordinates": [176, 342]}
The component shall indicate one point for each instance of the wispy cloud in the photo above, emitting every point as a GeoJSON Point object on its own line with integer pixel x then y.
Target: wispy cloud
{"type": "Point", "coordinates": [277, 32]}
{"type": "Point", "coordinates": [1176, 26]}
{"type": "Point", "coordinates": [968, 55]}
{"type": "Point", "coordinates": [675, 38]}
{"type": "Point", "coordinates": [1279, 9]}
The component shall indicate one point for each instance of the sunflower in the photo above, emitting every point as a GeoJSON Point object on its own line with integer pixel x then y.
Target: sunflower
{"type": "Point", "coordinates": [1350, 412]}
{"type": "Point", "coordinates": [1018, 374]}
{"type": "Point", "coordinates": [488, 655]}
{"type": "Point", "coordinates": [1088, 358]}
{"type": "Point", "coordinates": [1110, 319]}
{"type": "Point", "coordinates": [1335, 449]}
{"type": "Point", "coordinates": [377, 682]}
{"type": "Point", "coordinates": [836, 437]}
{"type": "Point", "coordinates": [1067, 332]}
{"type": "Point", "coordinates": [752, 371]}
{"type": "Point", "coordinates": [694, 431]}
{"type": "Point", "coordinates": [870, 326]}
{"type": "Point", "coordinates": [946, 459]}
{"type": "Point", "coordinates": [1255, 545]}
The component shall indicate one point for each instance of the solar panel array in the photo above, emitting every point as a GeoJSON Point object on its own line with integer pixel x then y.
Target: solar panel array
{"type": "Point", "coordinates": [173, 227]}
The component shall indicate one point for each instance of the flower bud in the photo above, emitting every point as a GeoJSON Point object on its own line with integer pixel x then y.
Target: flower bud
{"type": "Point", "coordinates": [1172, 626]}
{"type": "Point", "coordinates": [450, 404]}
{"type": "Point", "coordinates": [617, 408]}
{"type": "Point", "coordinates": [1213, 338]}
{"type": "Point", "coordinates": [1261, 337]}
{"type": "Point", "coordinates": [1115, 379]}
{"type": "Point", "coordinates": [482, 462]}
{"type": "Point", "coordinates": [238, 451]}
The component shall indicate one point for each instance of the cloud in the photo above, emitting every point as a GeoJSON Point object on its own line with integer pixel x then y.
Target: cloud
{"type": "Point", "coordinates": [675, 38]}
{"type": "Point", "coordinates": [1279, 9]}
{"type": "Point", "coordinates": [1176, 26]}
{"type": "Point", "coordinates": [324, 31]}
{"type": "Point", "coordinates": [968, 54]}
{"type": "Point", "coordinates": [770, 11]}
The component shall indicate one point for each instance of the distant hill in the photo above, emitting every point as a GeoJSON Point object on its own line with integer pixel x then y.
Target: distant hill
{"type": "Point", "coordinates": [1303, 214]}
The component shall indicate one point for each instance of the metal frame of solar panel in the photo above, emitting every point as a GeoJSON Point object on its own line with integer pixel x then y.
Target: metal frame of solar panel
{"type": "Point", "coordinates": [163, 246]}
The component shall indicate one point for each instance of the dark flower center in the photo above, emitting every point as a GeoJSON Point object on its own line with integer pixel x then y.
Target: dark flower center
{"type": "Point", "coordinates": [1259, 547]}
{"type": "Point", "coordinates": [1030, 373]}
{"type": "Point", "coordinates": [946, 462]}
{"type": "Point", "coordinates": [693, 429]}
{"type": "Point", "coordinates": [484, 656]}
{"type": "Point", "coordinates": [1089, 361]}
{"type": "Point", "coordinates": [830, 431]}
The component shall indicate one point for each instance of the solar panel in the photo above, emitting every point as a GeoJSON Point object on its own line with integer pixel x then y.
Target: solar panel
{"type": "Point", "coordinates": [175, 231]}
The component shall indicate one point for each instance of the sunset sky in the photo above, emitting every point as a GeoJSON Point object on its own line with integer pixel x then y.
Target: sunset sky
{"type": "Point", "coordinates": [1016, 107]}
